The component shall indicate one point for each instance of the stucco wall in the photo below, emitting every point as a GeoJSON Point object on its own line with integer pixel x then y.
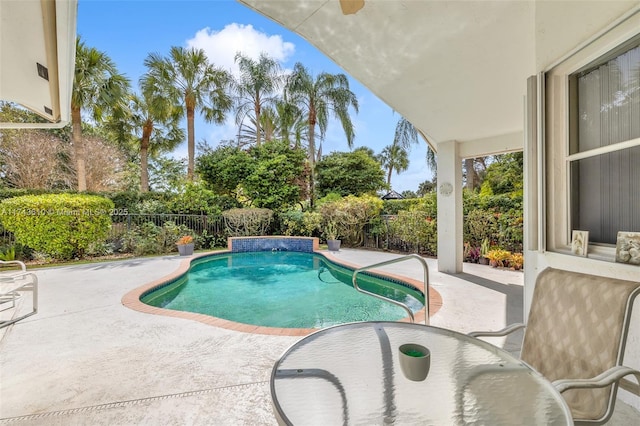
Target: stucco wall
{"type": "Point", "coordinates": [562, 28]}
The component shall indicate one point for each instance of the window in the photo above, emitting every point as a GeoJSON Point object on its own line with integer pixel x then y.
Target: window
{"type": "Point", "coordinates": [604, 146]}
{"type": "Point", "coordinates": [591, 178]}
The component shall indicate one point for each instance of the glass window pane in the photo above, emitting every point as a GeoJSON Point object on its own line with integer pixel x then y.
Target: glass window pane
{"type": "Point", "coordinates": [605, 194]}
{"type": "Point", "coordinates": [608, 102]}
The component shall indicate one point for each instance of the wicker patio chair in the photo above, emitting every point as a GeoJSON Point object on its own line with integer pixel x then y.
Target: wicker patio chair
{"type": "Point", "coordinates": [576, 337]}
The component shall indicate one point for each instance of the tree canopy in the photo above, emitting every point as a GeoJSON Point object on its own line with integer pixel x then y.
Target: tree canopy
{"type": "Point", "coordinates": [224, 168]}
{"type": "Point", "coordinates": [270, 175]}
{"type": "Point", "coordinates": [98, 87]}
{"type": "Point", "coordinates": [274, 180]}
{"type": "Point", "coordinates": [187, 76]}
{"type": "Point", "coordinates": [504, 175]}
{"type": "Point", "coordinates": [349, 173]}
{"type": "Point", "coordinates": [319, 97]}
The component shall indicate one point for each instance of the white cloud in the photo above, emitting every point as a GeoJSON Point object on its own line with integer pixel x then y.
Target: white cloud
{"type": "Point", "coordinates": [221, 46]}
{"type": "Point", "coordinates": [226, 131]}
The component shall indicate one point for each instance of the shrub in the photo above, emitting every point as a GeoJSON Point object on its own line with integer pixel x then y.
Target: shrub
{"type": "Point", "coordinates": [296, 222]}
{"type": "Point", "coordinates": [8, 254]}
{"type": "Point", "coordinates": [60, 225]}
{"type": "Point", "coordinates": [99, 248]}
{"type": "Point", "coordinates": [417, 228]}
{"type": "Point", "coordinates": [9, 247]}
{"type": "Point", "coordinates": [427, 204]}
{"type": "Point", "coordinates": [350, 215]}
{"type": "Point", "coordinates": [152, 239]}
{"type": "Point", "coordinates": [498, 257]}
{"type": "Point", "coordinates": [247, 222]}
{"type": "Point", "coordinates": [480, 225]}
{"type": "Point", "coordinates": [138, 202]}
{"type": "Point", "coordinates": [210, 241]}
{"type": "Point", "coordinates": [471, 254]}
{"type": "Point", "coordinates": [19, 192]}
{"type": "Point", "coordinates": [395, 206]}
{"type": "Point", "coordinates": [195, 200]}
{"type": "Point", "coordinates": [152, 207]}
{"type": "Point", "coordinates": [516, 260]}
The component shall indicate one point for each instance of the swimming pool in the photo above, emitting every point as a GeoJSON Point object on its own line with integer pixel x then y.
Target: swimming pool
{"type": "Point", "coordinates": [281, 289]}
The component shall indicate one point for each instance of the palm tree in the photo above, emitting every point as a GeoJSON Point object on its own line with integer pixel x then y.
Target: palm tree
{"type": "Point", "coordinates": [156, 122]}
{"type": "Point", "coordinates": [283, 122]}
{"type": "Point", "coordinates": [394, 157]}
{"type": "Point", "coordinates": [97, 87]}
{"type": "Point", "coordinates": [406, 135]}
{"type": "Point", "coordinates": [317, 97]}
{"type": "Point", "coordinates": [256, 87]}
{"type": "Point", "coordinates": [291, 124]}
{"type": "Point", "coordinates": [266, 127]}
{"type": "Point", "coordinates": [187, 75]}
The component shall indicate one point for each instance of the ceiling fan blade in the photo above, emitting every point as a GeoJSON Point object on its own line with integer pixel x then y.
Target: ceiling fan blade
{"type": "Point", "coordinates": [351, 6]}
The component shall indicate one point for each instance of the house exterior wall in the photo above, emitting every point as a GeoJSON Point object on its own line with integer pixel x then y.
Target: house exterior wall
{"type": "Point", "coordinates": [568, 36]}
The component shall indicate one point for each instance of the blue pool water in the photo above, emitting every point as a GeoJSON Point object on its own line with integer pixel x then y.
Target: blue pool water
{"type": "Point", "coordinates": [281, 289]}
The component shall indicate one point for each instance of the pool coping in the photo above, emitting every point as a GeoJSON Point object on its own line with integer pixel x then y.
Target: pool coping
{"type": "Point", "coordinates": [132, 300]}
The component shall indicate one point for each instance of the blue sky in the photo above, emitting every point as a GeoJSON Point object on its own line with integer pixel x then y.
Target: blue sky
{"type": "Point", "coordinates": [129, 30]}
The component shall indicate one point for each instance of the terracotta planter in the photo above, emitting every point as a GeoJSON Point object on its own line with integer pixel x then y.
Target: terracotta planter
{"type": "Point", "coordinates": [185, 249]}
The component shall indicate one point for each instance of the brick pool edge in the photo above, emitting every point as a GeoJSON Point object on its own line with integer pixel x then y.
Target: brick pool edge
{"type": "Point", "coordinates": [132, 300]}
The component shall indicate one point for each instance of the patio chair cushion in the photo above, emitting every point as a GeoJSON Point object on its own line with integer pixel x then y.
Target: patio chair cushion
{"type": "Point", "coordinates": [577, 329]}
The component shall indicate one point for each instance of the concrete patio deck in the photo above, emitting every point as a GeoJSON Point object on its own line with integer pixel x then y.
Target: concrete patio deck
{"type": "Point", "coordinates": [87, 359]}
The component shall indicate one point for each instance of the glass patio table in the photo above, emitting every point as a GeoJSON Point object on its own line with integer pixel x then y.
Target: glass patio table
{"type": "Point", "coordinates": [350, 374]}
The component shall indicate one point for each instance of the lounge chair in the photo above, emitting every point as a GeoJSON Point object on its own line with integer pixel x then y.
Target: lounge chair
{"type": "Point", "coordinates": [12, 284]}
{"type": "Point", "coordinates": [576, 337]}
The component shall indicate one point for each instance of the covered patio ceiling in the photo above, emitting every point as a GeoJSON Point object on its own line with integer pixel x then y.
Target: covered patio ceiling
{"type": "Point", "coordinates": [37, 57]}
{"type": "Point", "coordinates": [456, 69]}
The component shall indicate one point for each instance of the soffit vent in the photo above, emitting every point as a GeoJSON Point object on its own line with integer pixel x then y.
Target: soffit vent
{"type": "Point", "coordinates": [48, 110]}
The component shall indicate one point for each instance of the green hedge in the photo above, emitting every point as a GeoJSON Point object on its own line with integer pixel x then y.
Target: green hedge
{"type": "Point", "coordinates": [59, 225]}
{"type": "Point", "coordinates": [348, 217]}
{"type": "Point", "coordinates": [418, 229]}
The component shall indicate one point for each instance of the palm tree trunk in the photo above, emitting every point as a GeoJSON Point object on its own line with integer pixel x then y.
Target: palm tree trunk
{"type": "Point", "coordinates": [471, 173]}
{"type": "Point", "coordinates": [312, 157]}
{"type": "Point", "coordinates": [268, 132]}
{"type": "Point", "coordinates": [258, 126]}
{"type": "Point", "coordinates": [389, 177]}
{"type": "Point", "coordinates": [144, 157]}
{"type": "Point", "coordinates": [78, 146]}
{"type": "Point", "coordinates": [191, 147]}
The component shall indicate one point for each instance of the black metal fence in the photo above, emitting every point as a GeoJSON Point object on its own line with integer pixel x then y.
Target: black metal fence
{"type": "Point", "coordinates": [198, 224]}
{"type": "Point", "coordinates": [210, 231]}
{"type": "Point", "coordinates": [381, 237]}
{"type": "Point", "coordinates": [210, 228]}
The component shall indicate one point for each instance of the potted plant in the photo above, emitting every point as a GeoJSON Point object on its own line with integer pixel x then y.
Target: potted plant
{"type": "Point", "coordinates": [471, 254]}
{"type": "Point", "coordinates": [331, 235]}
{"type": "Point", "coordinates": [185, 245]}
{"type": "Point", "coordinates": [484, 249]}
{"type": "Point", "coordinates": [497, 257]}
{"type": "Point", "coordinates": [516, 260]}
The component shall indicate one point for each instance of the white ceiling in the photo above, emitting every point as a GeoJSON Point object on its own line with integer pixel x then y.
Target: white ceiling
{"type": "Point", "coordinates": [456, 69]}
{"type": "Point", "coordinates": [32, 33]}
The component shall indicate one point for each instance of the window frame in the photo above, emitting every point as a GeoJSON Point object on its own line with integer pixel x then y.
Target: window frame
{"type": "Point", "coordinates": [560, 125]}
